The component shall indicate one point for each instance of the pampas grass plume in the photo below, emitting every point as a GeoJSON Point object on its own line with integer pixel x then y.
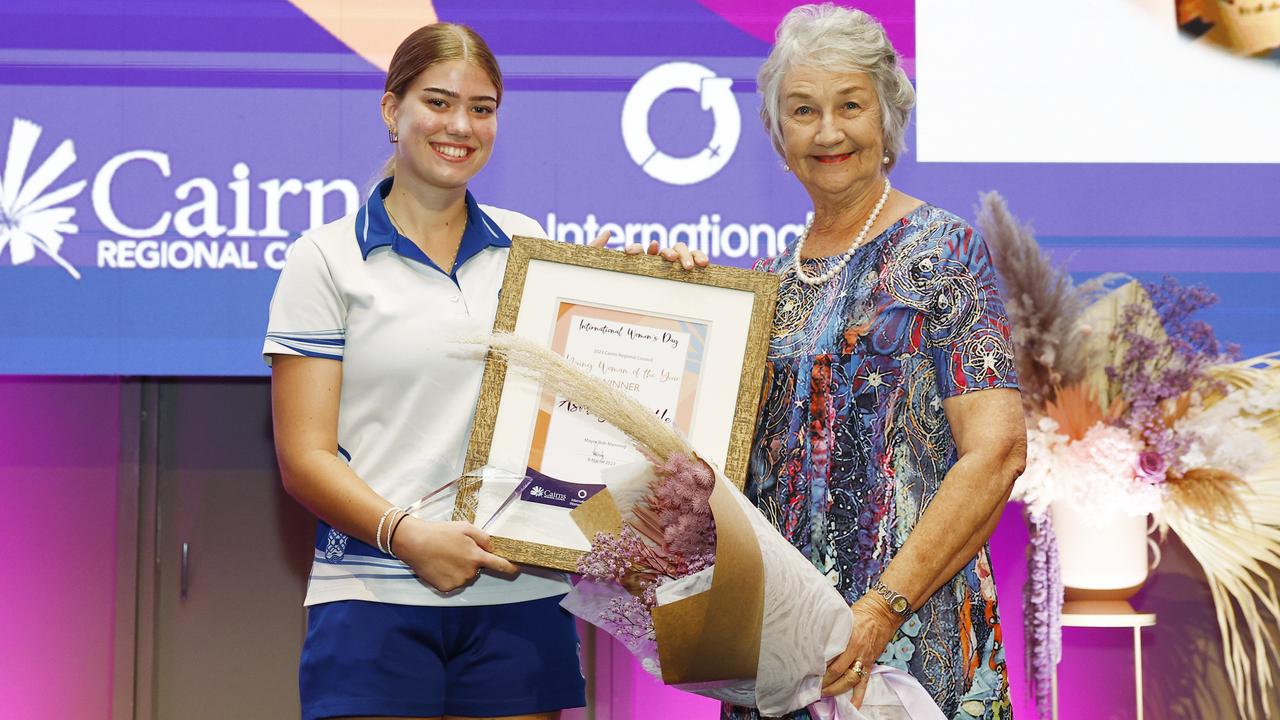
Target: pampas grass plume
{"type": "Point", "coordinates": [1043, 303]}
{"type": "Point", "coordinates": [651, 435]}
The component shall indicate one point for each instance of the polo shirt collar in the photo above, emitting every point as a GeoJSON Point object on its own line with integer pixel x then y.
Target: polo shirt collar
{"type": "Point", "coordinates": [374, 229]}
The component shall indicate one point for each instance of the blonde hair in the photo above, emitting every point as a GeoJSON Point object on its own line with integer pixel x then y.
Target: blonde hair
{"type": "Point", "coordinates": [841, 40]}
{"type": "Point", "coordinates": [433, 44]}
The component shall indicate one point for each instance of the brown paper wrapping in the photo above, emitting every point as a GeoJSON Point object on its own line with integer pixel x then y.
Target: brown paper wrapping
{"type": "Point", "coordinates": [598, 514]}
{"type": "Point", "coordinates": [715, 635]}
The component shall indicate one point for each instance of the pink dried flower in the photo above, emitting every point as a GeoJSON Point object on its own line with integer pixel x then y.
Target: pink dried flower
{"type": "Point", "coordinates": [681, 499]}
{"type": "Point", "coordinates": [1152, 466]}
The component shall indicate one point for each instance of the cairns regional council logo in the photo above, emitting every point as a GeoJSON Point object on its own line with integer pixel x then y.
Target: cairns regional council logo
{"type": "Point", "coordinates": [33, 217]}
{"type": "Point", "coordinates": [36, 216]}
{"type": "Point", "coordinates": [714, 93]}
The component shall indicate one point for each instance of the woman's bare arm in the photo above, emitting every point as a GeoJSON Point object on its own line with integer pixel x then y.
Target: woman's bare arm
{"type": "Point", "coordinates": [304, 399]}
{"type": "Point", "coordinates": [991, 442]}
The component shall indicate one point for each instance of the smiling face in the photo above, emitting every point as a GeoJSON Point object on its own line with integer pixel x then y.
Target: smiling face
{"type": "Point", "coordinates": [447, 122]}
{"type": "Point", "coordinates": [832, 135]}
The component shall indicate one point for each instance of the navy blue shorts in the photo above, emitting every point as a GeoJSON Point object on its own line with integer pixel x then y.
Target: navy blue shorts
{"type": "Point", "coordinates": [368, 658]}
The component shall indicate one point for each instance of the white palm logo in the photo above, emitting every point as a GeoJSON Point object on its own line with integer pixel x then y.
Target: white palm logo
{"type": "Point", "coordinates": [30, 220]}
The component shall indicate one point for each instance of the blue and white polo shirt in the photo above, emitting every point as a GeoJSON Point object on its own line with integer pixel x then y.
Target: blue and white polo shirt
{"type": "Point", "coordinates": [358, 292]}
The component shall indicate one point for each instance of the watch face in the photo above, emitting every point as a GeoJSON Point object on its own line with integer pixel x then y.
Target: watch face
{"type": "Point", "coordinates": [899, 605]}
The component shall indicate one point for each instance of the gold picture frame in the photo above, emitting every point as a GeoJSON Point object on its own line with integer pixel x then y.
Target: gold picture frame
{"type": "Point", "coordinates": [543, 277]}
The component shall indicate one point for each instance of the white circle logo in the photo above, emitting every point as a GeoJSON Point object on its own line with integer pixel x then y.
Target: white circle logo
{"type": "Point", "coordinates": [716, 96]}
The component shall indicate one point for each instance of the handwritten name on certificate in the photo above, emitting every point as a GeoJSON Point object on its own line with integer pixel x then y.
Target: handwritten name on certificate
{"type": "Point", "coordinates": [655, 359]}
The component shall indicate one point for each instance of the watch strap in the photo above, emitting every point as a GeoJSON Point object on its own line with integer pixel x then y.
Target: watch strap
{"type": "Point", "coordinates": [898, 602]}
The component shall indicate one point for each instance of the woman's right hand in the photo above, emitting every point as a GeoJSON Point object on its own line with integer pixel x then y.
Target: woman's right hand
{"type": "Point", "coordinates": [447, 555]}
{"type": "Point", "coordinates": [678, 253]}
{"type": "Point", "coordinates": [874, 625]}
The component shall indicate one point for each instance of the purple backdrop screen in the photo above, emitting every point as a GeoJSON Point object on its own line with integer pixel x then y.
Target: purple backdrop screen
{"type": "Point", "coordinates": [160, 157]}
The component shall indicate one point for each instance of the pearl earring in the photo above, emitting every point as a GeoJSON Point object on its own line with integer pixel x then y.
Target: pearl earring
{"type": "Point", "coordinates": [886, 159]}
{"type": "Point", "coordinates": [786, 167]}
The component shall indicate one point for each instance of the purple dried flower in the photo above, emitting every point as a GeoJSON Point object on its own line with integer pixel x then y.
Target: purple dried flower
{"type": "Point", "coordinates": [613, 557]}
{"type": "Point", "coordinates": [1175, 304]}
{"type": "Point", "coordinates": [1042, 609]}
{"type": "Point", "coordinates": [632, 617]}
{"type": "Point", "coordinates": [1151, 373]}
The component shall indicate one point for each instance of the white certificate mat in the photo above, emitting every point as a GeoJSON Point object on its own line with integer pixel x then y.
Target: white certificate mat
{"type": "Point", "coordinates": [724, 313]}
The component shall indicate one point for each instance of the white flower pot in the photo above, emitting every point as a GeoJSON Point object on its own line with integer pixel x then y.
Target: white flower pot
{"type": "Point", "coordinates": [1100, 561]}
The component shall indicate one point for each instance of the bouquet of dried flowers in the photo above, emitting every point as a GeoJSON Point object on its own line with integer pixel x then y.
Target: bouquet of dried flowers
{"type": "Point", "coordinates": [1134, 408]}
{"type": "Point", "coordinates": [695, 581]}
{"type": "Point", "coordinates": [669, 535]}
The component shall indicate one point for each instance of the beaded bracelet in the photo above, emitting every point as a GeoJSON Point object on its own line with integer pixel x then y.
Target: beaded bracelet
{"type": "Point", "coordinates": [377, 536]}
{"type": "Point", "coordinates": [391, 534]}
{"type": "Point", "coordinates": [393, 520]}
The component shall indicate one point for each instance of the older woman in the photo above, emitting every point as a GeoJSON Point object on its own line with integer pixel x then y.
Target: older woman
{"type": "Point", "coordinates": [891, 431]}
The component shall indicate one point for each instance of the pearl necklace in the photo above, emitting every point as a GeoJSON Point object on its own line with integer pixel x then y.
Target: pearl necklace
{"type": "Point", "coordinates": [812, 281]}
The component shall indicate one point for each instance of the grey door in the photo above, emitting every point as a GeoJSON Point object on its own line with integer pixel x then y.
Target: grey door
{"type": "Point", "coordinates": [231, 557]}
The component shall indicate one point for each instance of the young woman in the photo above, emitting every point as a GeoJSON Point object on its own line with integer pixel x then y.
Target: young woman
{"type": "Point", "coordinates": [410, 616]}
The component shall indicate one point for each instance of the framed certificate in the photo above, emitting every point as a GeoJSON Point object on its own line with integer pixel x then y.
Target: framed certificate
{"type": "Point", "coordinates": [689, 344]}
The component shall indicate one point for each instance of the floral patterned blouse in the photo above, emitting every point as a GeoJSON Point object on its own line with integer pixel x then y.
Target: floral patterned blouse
{"type": "Point", "coordinates": [852, 442]}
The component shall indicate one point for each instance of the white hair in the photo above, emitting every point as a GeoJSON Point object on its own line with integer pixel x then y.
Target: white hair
{"type": "Point", "coordinates": [840, 40]}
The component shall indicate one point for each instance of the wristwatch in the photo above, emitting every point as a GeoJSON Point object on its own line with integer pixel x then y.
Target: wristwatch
{"type": "Point", "coordinates": [897, 601]}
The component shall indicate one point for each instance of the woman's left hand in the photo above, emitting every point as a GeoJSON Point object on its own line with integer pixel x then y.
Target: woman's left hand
{"type": "Point", "coordinates": [678, 253]}
{"type": "Point", "coordinates": [874, 625]}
